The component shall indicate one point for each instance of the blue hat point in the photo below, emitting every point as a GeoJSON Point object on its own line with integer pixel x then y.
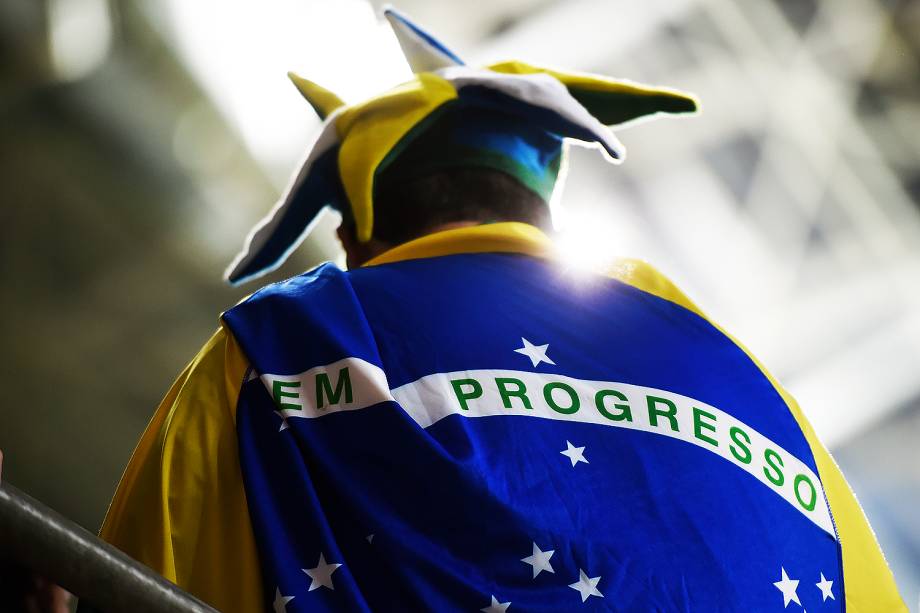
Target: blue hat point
{"type": "Point", "coordinates": [423, 52]}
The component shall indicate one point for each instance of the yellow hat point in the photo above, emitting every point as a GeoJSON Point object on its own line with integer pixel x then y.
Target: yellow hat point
{"type": "Point", "coordinates": [320, 98]}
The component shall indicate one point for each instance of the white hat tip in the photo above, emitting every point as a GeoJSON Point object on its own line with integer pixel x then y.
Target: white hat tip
{"type": "Point", "coordinates": [422, 51]}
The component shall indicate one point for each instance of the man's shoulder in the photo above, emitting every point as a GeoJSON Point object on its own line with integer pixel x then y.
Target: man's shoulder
{"type": "Point", "coordinates": [313, 282]}
{"type": "Point", "coordinates": [295, 324]}
{"type": "Point", "coordinates": [642, 275]}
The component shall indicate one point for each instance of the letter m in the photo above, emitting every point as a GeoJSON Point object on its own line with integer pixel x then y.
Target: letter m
{"type": "Point", "coordinates": [324, 388]}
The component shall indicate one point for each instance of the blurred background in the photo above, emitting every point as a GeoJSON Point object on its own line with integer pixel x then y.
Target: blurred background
{"type": "Point", "coordinates": [140, 140]}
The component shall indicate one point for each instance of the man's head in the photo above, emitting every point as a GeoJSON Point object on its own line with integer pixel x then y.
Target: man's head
{"type": "Point", "coordinates": [509, 117]}
{"type": "Point", "coordinates": [443, 199]}
{"type": "Point", "coordinates": [463, 165]}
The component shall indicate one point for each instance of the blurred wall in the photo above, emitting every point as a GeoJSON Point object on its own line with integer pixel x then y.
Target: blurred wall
{"type": "Point", "coordinates": [112, 248]}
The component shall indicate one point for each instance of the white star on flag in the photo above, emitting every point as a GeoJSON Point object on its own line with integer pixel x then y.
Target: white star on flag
{"type": "Point", "coordinates": [536, 353]}
{"type": "Point", "coordinates": [321, 576]}
{"type": "Point", "coordinates": [539, 560]}
{"type": "Point", "coordinates": [284, 422]}
{"type": "Point", "coordinates": [280, 603]}
{"type": "Point", "coordinates": [825, 586]}
{"type": "Point", "coordinates": [575, 454]}
{"type": "Point", "coordinates": [788, 587]}
{"type": "Point", "coordinates": [586, 586]}
{"type": "Point", "coordinates": [496, 606]}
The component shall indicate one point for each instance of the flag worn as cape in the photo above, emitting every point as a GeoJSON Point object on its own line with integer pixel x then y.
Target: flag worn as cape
{"type": "Point", "coordinates": [465, 425]}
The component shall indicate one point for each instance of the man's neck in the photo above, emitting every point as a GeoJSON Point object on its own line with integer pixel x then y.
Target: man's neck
{"type": "Point", "coordinates": [358, 253]}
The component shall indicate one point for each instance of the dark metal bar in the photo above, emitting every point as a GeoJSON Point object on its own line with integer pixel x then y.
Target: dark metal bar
{"type": "Point", "coordinates": [38, 538]}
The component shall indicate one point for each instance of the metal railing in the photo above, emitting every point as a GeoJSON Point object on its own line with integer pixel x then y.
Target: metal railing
{"type": "Point", "coordinates": [40, 539]}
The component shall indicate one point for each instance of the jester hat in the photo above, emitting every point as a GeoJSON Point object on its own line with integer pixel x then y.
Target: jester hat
{"type": "Point", "coordinates": [511, 116]}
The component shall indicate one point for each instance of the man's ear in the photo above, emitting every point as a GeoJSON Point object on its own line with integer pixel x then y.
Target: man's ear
{"type": "Point", "coordinates": [356, 252]}
{"type": "Point", "coordinates": [349, 241]}
{"type": "Point", "coordinates": [346, 235]}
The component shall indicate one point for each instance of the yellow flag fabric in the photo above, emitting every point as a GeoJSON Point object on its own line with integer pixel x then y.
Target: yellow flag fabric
{"type": "Point", "coordinates": [180, 507]}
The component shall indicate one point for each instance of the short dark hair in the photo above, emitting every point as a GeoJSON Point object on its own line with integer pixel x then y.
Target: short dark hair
{"type": "Point", "coordinates": [409, 209]}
